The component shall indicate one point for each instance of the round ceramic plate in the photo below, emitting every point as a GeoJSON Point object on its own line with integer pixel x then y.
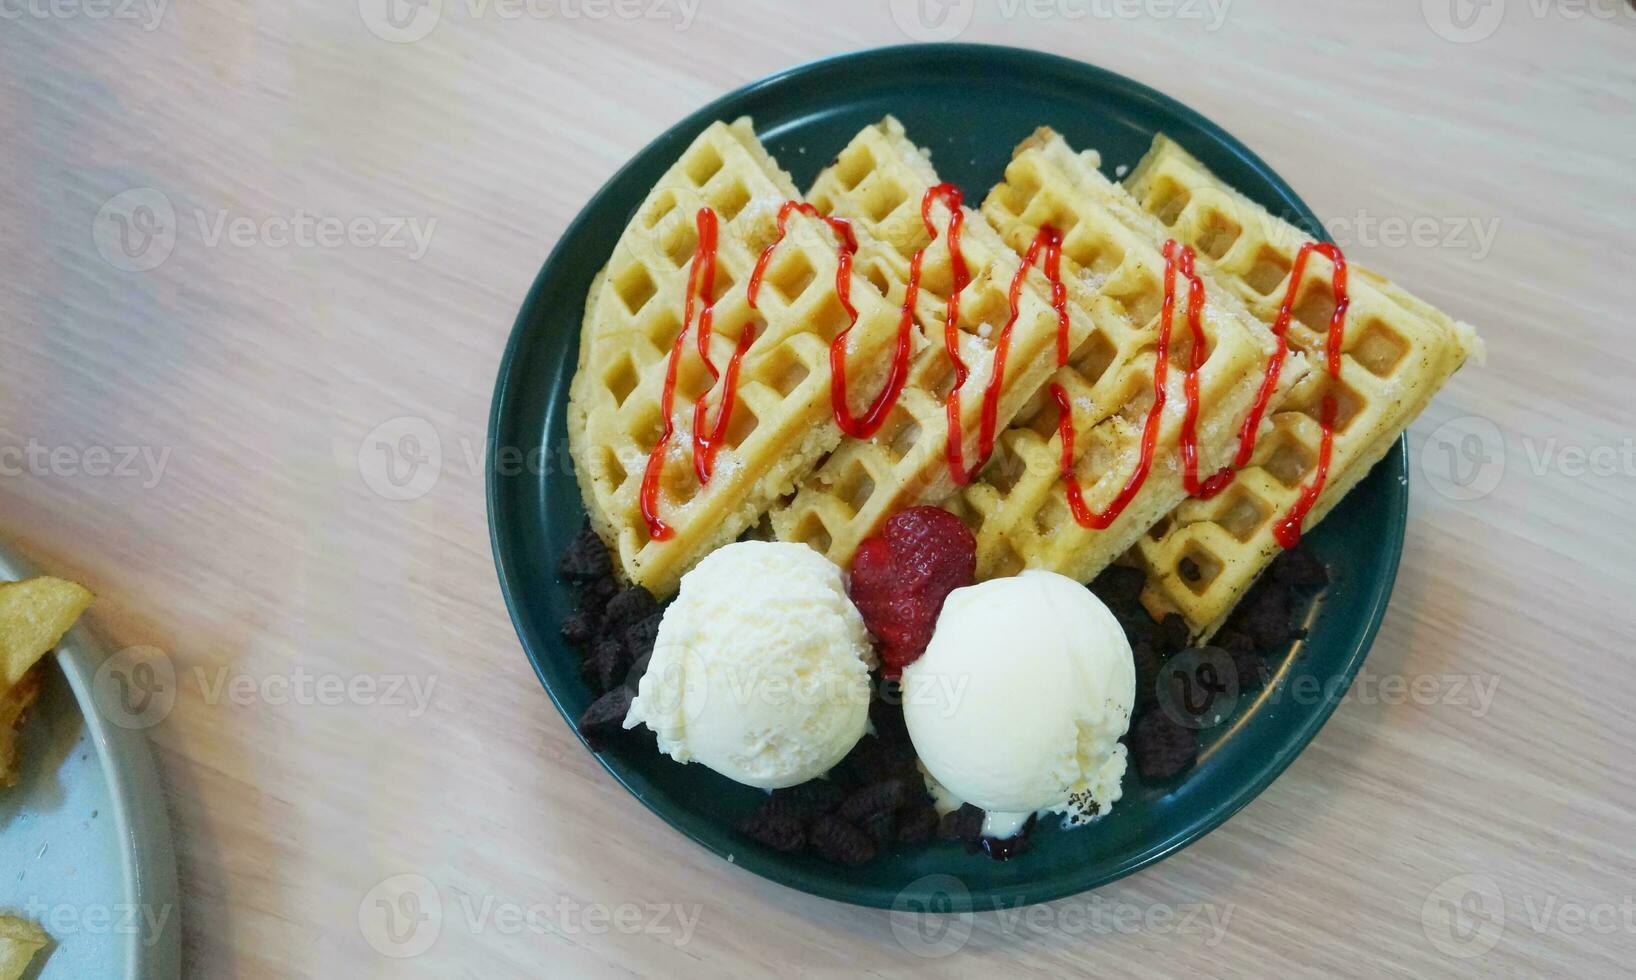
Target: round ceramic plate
{"type": "Point", "coordinates": [85, 846]}
{"type": "Point", "coordinates": [970, 105]}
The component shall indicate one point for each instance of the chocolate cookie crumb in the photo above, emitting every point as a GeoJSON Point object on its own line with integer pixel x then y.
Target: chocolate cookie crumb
{"type": "Point", "coordinates": [806, 801]}
{"type": "Point", "coordinates": [633, 677]}
{"type": "Point", "coordinates": [629, 607]}
{"type": "Point", "coordinates": [875, 760]}
{"type": "Point", "coordinates": [917, 825]}
{"type": "Point", "coordinates": [580, 626]}
{"type": "Point", "coordinates": [780, 832]}
{"type": "Point", "coordinates": [605, 717]}
{"type": "Point", "coordinates": [1119, 585]}
{"type": "Point", "coordinates": [606, 665]}
{"type": "Point", "coordinates": [586, 557]}
{"type": "Point", "coordinates": [882, 797]}
{"type": "Point", "coordinates": [642, 635]}
{"type": "Point", "coordinates": [594, 596]}
{"type": "Point", "coordinates": [1162, 748]}
{"type": "Point", "coordinates": [1252, 668]}
{"type": "Point", "coordinates": [1148, 665]}
{"type": "Point", "coordinates": [964, 824]}
{"type": "Point", "coordinates": [837, 840]}
{"type": "Point", "coordinates": [1173, 635]}
{"type": "Point", "coordinates": [1300, 569]}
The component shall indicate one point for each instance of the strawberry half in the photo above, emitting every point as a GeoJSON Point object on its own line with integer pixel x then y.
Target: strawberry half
{"type": "Point", "coordinates": [901, 576]}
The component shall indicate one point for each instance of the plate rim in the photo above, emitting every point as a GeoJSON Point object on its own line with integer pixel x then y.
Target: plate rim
{"type": "Point", "coordinates": [141, 818]}
{"type": "Point", "coordinates": [919, 891]}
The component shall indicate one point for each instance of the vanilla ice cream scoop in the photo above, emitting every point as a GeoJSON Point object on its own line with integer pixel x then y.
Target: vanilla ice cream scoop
{"type": "Point", "coordinates": [761, 667]}
{"type": "Point", "coordinates": [1018, 704]}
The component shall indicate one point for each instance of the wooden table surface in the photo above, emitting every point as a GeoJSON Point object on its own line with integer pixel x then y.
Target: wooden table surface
{"type": "Point", "coordinates": [357, 205]}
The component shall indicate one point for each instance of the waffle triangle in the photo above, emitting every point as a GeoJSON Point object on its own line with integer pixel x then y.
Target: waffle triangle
{"type": "Point", "coordinates": [1397, 352]}
{"type": "Point", "coordinates": [780, 423]}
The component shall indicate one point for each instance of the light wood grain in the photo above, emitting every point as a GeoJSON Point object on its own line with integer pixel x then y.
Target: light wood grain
{"type": "Point", "coordinates": [262, 549]}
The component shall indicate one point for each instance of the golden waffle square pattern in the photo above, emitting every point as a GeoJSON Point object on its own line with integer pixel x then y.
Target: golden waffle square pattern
{"type": "Point", "coordinates": [1020, 509]}
{"type": "Point", "coordinates": [781, 423]}
{"type": "Point", "coordinates": [1397, 352]}
{"type": "Point", "coordinates": [878, 183]}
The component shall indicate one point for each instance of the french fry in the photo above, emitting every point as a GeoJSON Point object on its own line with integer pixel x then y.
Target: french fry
{"type": "Point", "coordinates": [34, 615]}
{"type": "Point", "coordinates": [20, 940]}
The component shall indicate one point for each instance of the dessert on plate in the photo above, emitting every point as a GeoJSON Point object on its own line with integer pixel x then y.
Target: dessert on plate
{"type": "Point", "coordinates": [896, 506]}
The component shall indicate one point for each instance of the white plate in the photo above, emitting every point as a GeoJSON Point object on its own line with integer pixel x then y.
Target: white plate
{"type": "Point", "coordinates": [85, 846]}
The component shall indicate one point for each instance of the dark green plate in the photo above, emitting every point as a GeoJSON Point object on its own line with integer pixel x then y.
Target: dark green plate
{"type": "Point", "coordinates": [970, 105]}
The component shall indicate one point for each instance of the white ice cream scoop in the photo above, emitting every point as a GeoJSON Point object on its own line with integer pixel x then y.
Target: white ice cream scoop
{"type": "Point", "coordinates": [761, 667]}
{"type": "Point", "coordinates": [1019, 702]}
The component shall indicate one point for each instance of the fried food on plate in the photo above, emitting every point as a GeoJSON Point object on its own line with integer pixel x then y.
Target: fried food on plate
{"type": "Point", "coordinates": [20, 940]}
{"type": "Point", "coordinates": [34, 615]}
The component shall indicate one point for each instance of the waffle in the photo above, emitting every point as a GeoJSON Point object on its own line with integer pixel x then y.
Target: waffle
{"type": "Point", "coordinates": [1397, 352]}
{"type": "Point", "coordinates": [781, 422]}
{"type": "Point", "coordinates": [1113, 264]}
{"type": "Point", "coordinates": [879, 183]}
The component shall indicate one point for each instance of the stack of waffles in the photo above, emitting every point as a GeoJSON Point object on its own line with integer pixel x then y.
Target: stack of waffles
{"type": "Point", "coordinates": [1078, 369]}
